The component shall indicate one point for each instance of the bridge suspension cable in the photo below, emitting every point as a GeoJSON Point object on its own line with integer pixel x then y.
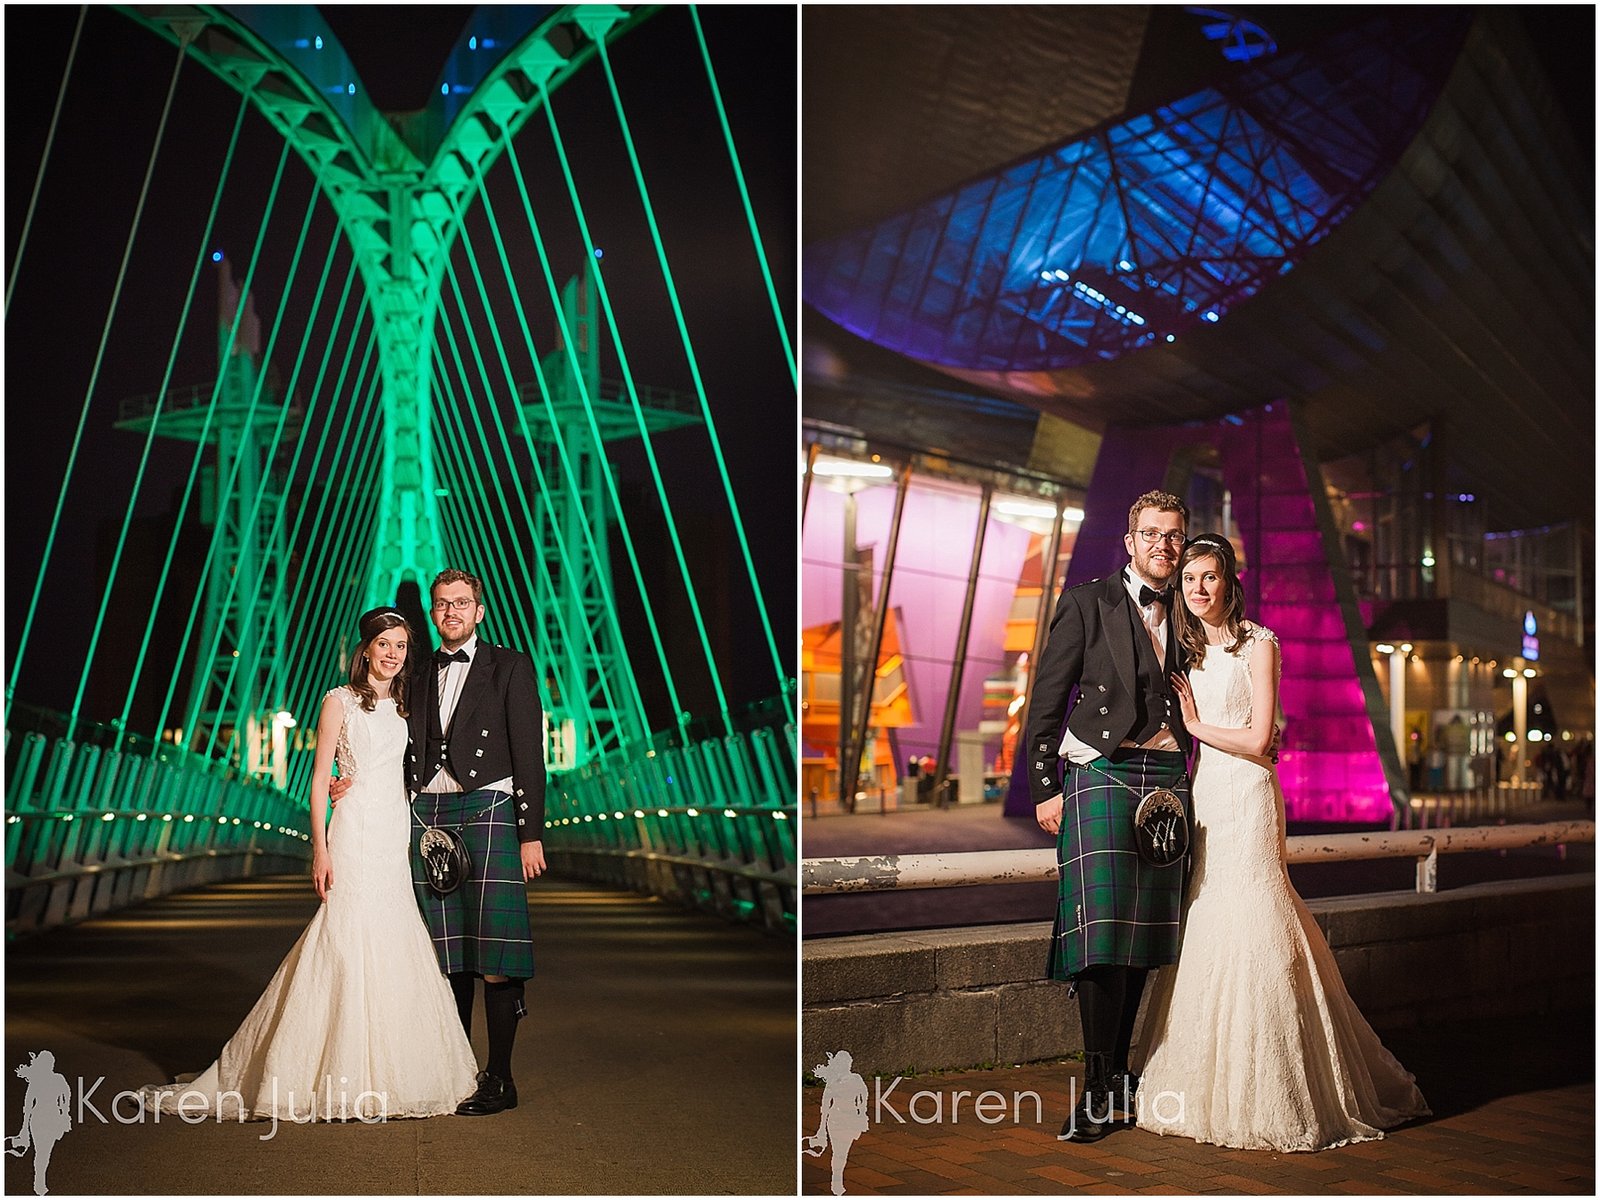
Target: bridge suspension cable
{"type": "Point", "coordinates": [475, 529]}
{"type": "Point", "coordinates": [700, 393]}
{"type": "Point", "coordinates": [248, 701]}
{"type": "Point", "coordinates": [744, 197]}
{"type": "Point", "coordinates": [94, 377]}
{"type": "Point", "coordinates": [194, 471]}
{"type": "Point", "coordinates": [155, 420]}
{"type": "Point", "coordinates": [44, 159]}
{"type": "Point", "coordinates": [644, 430]}
{"type": "Point", "coordinates": [569, 568]}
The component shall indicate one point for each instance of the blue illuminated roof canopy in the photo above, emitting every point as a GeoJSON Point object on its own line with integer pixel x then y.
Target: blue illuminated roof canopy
{"type": "Point", "coordinates": [1129, 235]}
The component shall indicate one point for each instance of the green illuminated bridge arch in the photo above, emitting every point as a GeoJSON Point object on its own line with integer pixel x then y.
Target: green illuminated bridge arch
{"type": "Point", "coordinates": [399, 189]}
{"type": "Point", "coordinates": [422, 437]}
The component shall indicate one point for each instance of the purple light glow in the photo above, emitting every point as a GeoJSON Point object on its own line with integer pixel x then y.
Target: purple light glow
{"type": "Point", "coordinates": [930, 576]}
{"type": "Point", "coordinates": [1330, 766]}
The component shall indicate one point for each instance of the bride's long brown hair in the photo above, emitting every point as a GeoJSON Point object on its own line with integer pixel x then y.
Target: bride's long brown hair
{"type": "Point", "coordinates": [371, 625]}
{"type": "Point", "coordinates": [1191, 629]}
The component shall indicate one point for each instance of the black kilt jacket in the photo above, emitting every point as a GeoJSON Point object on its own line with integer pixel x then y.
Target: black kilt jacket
{"type": "Point", "coordinates": [1090, 653]}
{"type": "Point", "coordinates": [497, 731]}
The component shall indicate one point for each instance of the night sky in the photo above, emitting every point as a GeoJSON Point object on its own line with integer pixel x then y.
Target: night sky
{"type": "Point", "coordinates": [91, 185]}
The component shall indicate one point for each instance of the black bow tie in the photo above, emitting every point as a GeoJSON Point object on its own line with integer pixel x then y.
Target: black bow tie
{"type": "Point", "coordinates": [443, 658]}
{"type": "Point", "coordinates": [1148, 596]}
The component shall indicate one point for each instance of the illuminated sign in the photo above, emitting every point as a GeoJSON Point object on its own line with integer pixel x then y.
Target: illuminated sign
{"type": "Point", "coordinates": [1530, 639]}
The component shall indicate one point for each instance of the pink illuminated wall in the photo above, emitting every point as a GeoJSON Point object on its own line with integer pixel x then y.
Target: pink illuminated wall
{"type": "Point", "coordinates": [928, 588]}
{"type": "Point", "coordinates": [1330, 766]}
{"type": "Point", "coordinates": [1338, 762]}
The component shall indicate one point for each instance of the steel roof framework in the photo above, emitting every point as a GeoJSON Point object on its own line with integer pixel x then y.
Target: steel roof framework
{"type": "Point", "coordinates": [1148, 226]}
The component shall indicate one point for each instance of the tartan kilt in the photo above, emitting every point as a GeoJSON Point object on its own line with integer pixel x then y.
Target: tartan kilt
{"type": "Point", "coordinates": [481, 928]}
{"type": "Point", "coordinates": [1112, 907]}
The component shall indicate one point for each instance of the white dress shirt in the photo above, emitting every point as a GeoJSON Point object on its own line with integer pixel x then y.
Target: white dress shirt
{"type": "Point", "coordinates": [452, 678]}
{"type": "Point", "coordinates": [1076, 750]}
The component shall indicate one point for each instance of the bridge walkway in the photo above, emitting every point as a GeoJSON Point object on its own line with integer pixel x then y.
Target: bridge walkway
{"type": "Point", "coordinates": [658, 1055]}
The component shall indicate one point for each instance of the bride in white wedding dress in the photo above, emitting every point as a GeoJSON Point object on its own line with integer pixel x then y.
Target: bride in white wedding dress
{"type": "Point", "coordinates": [1251, 1040]}
{"type": "Point", "coordinates": [358, 1022]}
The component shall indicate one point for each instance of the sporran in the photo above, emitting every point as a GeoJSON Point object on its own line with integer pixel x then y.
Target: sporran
{"type": "Point", "coordinates": [444, 859]}
{"type": "Point", "coordinates": [1160, 825]}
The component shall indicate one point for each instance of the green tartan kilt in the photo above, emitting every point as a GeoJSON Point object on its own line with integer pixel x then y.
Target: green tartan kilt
{"type": "Point", "coordinates": [1112, 907]}
{"type": "Point", "coordinates": [482, 927]}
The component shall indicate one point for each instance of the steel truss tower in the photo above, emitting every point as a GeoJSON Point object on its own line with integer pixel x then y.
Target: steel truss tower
{"type": "Point", "coordinates": [240, 498]}
{"type": "Point", "coordinates": [577, 672]}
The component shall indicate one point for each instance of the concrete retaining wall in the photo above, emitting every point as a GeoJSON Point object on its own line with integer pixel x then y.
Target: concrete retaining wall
{"type": "Point", "coordinates": [955, 998]}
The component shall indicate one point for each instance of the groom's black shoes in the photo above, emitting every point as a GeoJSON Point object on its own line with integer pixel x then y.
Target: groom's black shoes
{"type": "Point", "coordinates": [1091, 1117]}
{"type": "Point", "coordinates": [494, 1095]}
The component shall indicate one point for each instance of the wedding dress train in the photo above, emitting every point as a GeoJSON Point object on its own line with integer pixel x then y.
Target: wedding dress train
{"type": "Point", "coordinates": [1252, 1040]}
{"type": "Point", "coordinates": [357, 1022]}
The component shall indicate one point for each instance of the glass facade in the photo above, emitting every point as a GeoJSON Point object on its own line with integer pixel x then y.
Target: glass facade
{"type": "Point", "coordinates": [935, 580]}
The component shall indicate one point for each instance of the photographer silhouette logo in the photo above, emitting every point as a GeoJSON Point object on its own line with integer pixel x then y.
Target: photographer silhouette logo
{"type": "Point", "coordinates": [844, 1113]}
{"type": "Point", "coordinates": [46, 1114]}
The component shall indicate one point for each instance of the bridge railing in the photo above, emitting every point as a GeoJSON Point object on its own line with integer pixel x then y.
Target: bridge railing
{"type": "Point", "coordinates": [907, 872]}
{"type": "Point", "coordinates": [92, 828]}
{"type": "Point", "coordinates": [100, 822]}
{"type": "Point", "coordinates": [710, 824]}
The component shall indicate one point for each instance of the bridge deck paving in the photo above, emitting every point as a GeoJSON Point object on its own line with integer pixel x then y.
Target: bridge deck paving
{"type": "Point", "coordinates": [658, 1056]}
{"type": "Point", "coordinates": [1513, 1113]}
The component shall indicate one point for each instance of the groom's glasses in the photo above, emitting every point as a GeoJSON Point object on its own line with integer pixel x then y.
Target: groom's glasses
{"type": "Point", "coordinates": [458, 605]}
{"type": "Point", "coordinates": [1151, 536]}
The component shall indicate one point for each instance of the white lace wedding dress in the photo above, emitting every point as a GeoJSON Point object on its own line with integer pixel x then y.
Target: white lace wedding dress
{"type": "Point", "coordinates": [358, 1022]}
{"type": "Point", "coordinates": [1251, 1040]}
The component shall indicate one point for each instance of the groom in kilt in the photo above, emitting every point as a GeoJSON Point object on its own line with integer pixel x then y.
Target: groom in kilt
{"type": "Point", "coordinates": [476, 765]}
{"type": "Point", "coordinates": [1112, 643]}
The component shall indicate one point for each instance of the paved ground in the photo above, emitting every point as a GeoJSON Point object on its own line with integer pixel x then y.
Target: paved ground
{"type": "Point", "coordinates": [658, 1057]}
{"type": "Point", "coordinates": [1513, 1113]}
{"type": "Point", "coordinates": [983, 827]}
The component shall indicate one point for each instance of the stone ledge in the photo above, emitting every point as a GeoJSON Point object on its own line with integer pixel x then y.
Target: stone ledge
{"type": "Point", "coordinates": [954, 998]}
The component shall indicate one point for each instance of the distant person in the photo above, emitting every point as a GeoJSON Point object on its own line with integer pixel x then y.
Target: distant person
{"type": "Point", "coordinates": [1254, 1029]}
{"type": "Point", "coordinates": [357, 1023]}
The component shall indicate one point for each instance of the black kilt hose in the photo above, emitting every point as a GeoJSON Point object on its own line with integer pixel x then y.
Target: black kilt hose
{"type": "Point", "coordinates": [481, 928]}
{"type": "Point", "coordinates": [1112, 907]}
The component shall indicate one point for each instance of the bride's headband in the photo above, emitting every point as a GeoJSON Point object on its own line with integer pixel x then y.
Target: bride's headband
{"type": "Point", "coordinates": [1210, 539]}
{"type": "Point", "coordinates": [384, 611]}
